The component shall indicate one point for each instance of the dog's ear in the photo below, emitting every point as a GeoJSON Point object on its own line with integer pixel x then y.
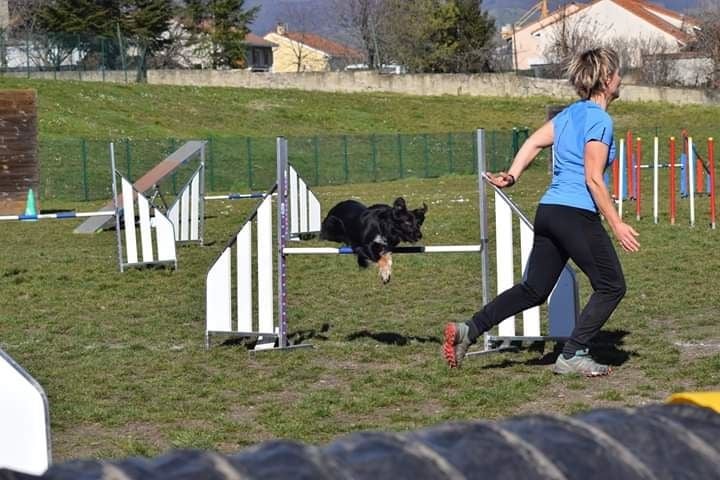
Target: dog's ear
{"type": "Point", "coordinates": [399, 204]}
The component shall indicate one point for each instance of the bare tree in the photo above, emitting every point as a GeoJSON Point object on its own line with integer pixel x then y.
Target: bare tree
{"type": "Point", "coordinates": [568, 36]}
{"type": "Point", "coordinates": [708, 39]}
{"type": "Point", "coordinates": [22, 15]}
{"type": "Point", "coordinates": [363, 21]}
{"type": "Point", "coordinates": [297, 23]}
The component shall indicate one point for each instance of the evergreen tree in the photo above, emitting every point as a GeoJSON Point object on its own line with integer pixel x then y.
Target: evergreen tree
{"type": "Point", "coordinates": [145, 21]}
{"type": "Point", "coordinates": [221, 27]}
{"type": "Point", "coordinates": [86, 17]}
{"type": "Point", "coordinates": [438, 35]}
{"type": "Point", "coordinates": [473, 31]}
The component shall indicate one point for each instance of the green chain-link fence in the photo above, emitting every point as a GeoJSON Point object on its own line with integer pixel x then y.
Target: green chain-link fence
{"type": "Point", "coordinates": [77, 169]}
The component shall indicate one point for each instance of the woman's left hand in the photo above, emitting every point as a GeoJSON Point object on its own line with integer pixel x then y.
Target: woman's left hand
{"type": "Point", "coordinates": [501, 180]}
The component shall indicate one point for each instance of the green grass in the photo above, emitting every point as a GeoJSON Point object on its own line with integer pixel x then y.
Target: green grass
{"type": "Point", "coordinates": [122, 356]}
{"type": "Point", "coordinates": [102, 111]}
{"type": "Point", "coordinates": [122, 359]}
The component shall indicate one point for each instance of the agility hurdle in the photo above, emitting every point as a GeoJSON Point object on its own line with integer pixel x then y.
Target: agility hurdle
{"type": "Point", "coordinates": [25, 420]}
{"type": "Point", "coordinates": [218, 285]}
{"type": "Point", "coordinates": [187, 213]}
{"type": "Point", "coordinates": [232, 315]}
{"type": "Point", "coordinates": [164, 239]}
{"type": "Point", "coordinates": [157, 240]}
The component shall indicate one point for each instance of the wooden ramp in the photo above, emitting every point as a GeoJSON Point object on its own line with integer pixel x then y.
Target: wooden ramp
{"type": "Point", "coordinates": [146, 182]}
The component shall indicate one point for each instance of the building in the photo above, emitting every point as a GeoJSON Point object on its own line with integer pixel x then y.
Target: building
{"type": "Point", "coordinates": [308, 52]}
{"type": "Point", "coordinates": [259, 53]}
{"type": "Point", "coordinates": [635, 24]}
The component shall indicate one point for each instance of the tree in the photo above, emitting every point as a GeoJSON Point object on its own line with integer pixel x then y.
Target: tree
{"type": "Point", "coordinates": [418, 33]}
{"type": "Point", "coordinates": [473, 33]}
{"type": "Point", "coordinates": [708, 40]}
{"type": "Point", "coordinates": [219, 28]}
{"type": "Point", "coordinates": [146, 22]}
{"type": "Point", "coordinates": [362, 20]}
{"type": "Point", "coordinates": [424, 35]}
{"type": "Point", "coordinates": [571, 34]}
{"type": "Point", "coordinates": [91, 28]}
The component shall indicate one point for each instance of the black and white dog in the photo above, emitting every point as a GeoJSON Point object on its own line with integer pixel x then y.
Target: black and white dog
{"type": "Point", "coordinates": [372, 232]}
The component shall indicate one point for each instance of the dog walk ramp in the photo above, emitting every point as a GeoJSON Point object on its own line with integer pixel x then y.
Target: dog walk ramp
{"type": "Point", "coordinates": [156, 175]}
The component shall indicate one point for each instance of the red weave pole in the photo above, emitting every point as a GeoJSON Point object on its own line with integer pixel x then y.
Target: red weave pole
{"type": "Point", "coordinates": [711, 166]}
{"type": "Point", "coordinates": [672, 180]}
{"type": "Point", "coordinates": [638, 161]}
{"type": "Point", "coordinates": [628, 158]}
{"type": "Point", "coordinates": [616, 178]}
{"type": "Point", "coordinates": [700, 187]}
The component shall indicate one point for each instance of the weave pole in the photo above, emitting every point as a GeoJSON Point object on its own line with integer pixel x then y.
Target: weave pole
{"type": "Point", "coordinates": [691, 179]}
{"type": "Point", "coordinates": [711, 166]}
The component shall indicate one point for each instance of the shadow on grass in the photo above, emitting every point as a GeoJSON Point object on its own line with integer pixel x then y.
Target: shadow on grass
{"type": "Point", "coordinates": [606, 348]}
{"type": "Point", "coordinates": [294, 338]}
{"type": "Point", "coordinates": [390, 338]}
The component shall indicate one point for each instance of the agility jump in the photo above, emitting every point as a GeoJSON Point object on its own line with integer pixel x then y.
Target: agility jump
{"type": "Point", "coordinates": [154, 230]}
{"type": "Point", "coordinates": [230, 314]}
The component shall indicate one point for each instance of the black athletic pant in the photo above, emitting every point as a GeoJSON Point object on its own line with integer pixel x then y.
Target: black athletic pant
{"type": "Point", "coordinates": [560, 233]}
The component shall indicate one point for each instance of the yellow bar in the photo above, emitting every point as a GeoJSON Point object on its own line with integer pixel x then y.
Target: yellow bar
{"type": "Point", "coordinates": [702, 399]}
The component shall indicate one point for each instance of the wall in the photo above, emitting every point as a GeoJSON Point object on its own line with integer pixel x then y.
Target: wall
{"type": "Point", "coordinates": [498, 85]}
{"type": "Point", "coordinates": [19, 165]}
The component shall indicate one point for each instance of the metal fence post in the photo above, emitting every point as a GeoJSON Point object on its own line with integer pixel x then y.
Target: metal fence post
{"type": "Point", "coordinates": [373, 145]}
{"type": "Point", "coordinates": [316, 151]}
{"type": "Point", "coordinates": [400, 155]}
{"type": "Point", "coordinates": [450, 152]}
{"type": "Point", "coordinates": [84, 154]}
{"type": "Point", "coordinates": [128, 159]}
{"type": "Point", "coordinates": [211, 161]}
{"type": "Point", "coordinates": [248, 148]}
{"type": "Point", "coordinates": [474, 142]}
{"type": "Point", "coordinates": [345, 159]}
{"type": "Point", "coordinates": [426, 155]}
{"type": "Point", "coordinates": [173, 147]}
{"type": "Point", "coordinates": [102, 57]}
{"type": "Point", "coordinates": [27, 53]}
{"type": "Point", "coordinates": [77, 48]}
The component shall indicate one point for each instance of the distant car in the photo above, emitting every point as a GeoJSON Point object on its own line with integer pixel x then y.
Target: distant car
{"type": "Point", "coordinates": [387, 69]}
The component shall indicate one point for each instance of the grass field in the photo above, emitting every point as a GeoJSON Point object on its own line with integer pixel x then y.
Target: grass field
{"type": "Point", "coordinates": [122, 358]}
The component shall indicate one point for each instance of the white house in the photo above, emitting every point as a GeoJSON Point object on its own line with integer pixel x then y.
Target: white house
{"type": "Point", "coordinates": [609, 22]}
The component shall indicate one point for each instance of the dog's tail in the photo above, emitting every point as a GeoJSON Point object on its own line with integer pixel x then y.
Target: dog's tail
{"type": "Point", "coordinates": [332, 229]}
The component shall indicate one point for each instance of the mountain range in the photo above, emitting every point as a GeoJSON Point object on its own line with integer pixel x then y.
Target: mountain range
{"type": "Point", "coordinates": [318, 14]}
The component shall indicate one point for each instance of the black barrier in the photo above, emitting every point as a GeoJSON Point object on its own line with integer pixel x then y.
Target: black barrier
{"type": "Point", "coordinates": [655, 442]}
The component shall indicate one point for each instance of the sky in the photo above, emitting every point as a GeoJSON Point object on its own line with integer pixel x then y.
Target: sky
{"type": "Point", "coordinates": [273, 11]}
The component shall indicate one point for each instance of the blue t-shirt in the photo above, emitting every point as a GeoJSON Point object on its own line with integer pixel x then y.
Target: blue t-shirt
{"type": "Point", "coordinates": [578, 124]}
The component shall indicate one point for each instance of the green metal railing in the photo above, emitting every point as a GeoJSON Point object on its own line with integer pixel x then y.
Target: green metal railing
{"type": "Point", "coordinates": [79, 169]}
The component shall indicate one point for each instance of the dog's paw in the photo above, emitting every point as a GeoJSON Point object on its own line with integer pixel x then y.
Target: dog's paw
{"type": "Point", "coordinates": [385, 268]}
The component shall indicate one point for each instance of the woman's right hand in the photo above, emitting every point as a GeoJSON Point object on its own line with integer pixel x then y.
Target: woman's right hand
{"type": "Point", "coordinates": [625, 235]}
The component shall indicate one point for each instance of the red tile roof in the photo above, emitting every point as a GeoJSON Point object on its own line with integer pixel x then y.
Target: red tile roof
{"type": "Point", "coordinates": [330, 47]}
{"type": "Point", "coordinates": [643, 9]}
{"type": "Point", "coordinates": [256, 41]}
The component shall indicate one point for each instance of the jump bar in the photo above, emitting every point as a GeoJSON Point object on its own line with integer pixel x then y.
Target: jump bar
{"type": "Point", "coordinates": [58, 216]}
{"type": "Point", "coordinates": [414, 249]}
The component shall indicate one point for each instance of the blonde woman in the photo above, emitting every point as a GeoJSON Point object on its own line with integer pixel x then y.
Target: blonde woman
{"type": "Point", "coordinates": [567, 222]}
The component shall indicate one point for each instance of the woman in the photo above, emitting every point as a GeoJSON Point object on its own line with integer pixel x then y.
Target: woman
{"type": "Point", "coordinates": [567, 221]}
